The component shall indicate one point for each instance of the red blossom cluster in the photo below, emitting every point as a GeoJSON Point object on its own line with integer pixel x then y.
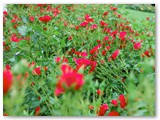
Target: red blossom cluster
{"type": "Point", "coordinates": [85, 62]}
{"type": "Point", "coordinates": [104, 107]}
{"type": "Point", "coordinates": [122, 101]}
{"type": "Point", "coordinates": [137, 46]}
{"type": "Point", "coordinates": [102, 110]}
{"type": "Point", "coordinates": [45, 19]}
{"type": "Point", "coordinates": [7, 80]}
{"type": "Point", "coordinates": [88, 19]}
{"type": "Point", "coordinates": [70, 78]}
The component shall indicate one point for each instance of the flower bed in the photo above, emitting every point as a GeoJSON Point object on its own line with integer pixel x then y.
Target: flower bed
{"type": "Point", "coordinates": [77, 60]}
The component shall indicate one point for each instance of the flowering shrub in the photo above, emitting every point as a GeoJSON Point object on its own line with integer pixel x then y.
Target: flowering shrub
{"type": "Point", "coordinates": [76, 60]}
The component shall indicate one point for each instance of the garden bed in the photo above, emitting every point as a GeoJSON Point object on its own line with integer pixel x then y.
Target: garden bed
{"type": "Point", "coordinates": [78, 60]}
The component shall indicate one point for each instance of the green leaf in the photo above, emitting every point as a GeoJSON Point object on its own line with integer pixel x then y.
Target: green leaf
{"type": "Point", "coordinates": [35, 104]}
{"type": "Point", "coordinates": [23, 30]}
{"type": "Point", "coordinates": [45, 63]}
{"type": "Point", "coordinates": [63, 44]}
{"type": "Point", "coordinates": [22, 43]}
{"type": "Point", "coordinates": [37, 28]}
{"type": "Point", "coordinates": [34, 38]}
{"type": "Point", "coordinates": [24, 19]}
{"type": "Point", "coordinates": [12, 59]}
{"type": "Point", "coordinates": [14, 44]}
{"type": "Point", "coordinates": [51, 100]}
{"type": "Point", "coordinates": [25, 113]}
{"type": "Point", "coordinates": [140, 113]}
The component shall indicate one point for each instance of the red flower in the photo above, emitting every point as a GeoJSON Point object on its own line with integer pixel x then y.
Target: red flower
{"type": "Point", "coordinates": [108, 30]}
{"type": "Point", "coordinates": [15, 19]}
{"type": "Point", "coordinates": [55, 12]}
{"type": "Point", "coordinates": [108, 48]}
{"type": "Point", "coordinates": [113, 113]}
{"type": "Point", "coordinates": [104, 52]}
{"type": "Point", "coordinates": [14, 38]}
{"type": "Point", "coordinates": [4, 43]}
{"type": "Point", "coordinates": [98, 41]}
{"type": "Point", "coordinates": [44, 28]}
{"type": "Point", "coordinates": [105, 13]}
{"type": "Point", "coordinates": [93, 66]}
{"type": "Point", "coordinates": [37, 71]}
{"type": "Point", "coordinates": [103, 109]}
{"type": "Point", "coordinates": [106, 38]}
{"type": "Point", "coordinates": [147, 18]}
{"type": "Point", "coordinates": [122, 101]}
{"type": "Point", "coordinates": [114, 33]}
{"type": "Point", "coordinates": [65, 23]}
{"type": "Point", "coordinates": [103, 24]}
{"type": "Point", "coordinates": [82, 61]}
{"type": "Point", "coordinates": [136, 34]}
{"type": "Point", "coordinates": [70, 78]}
{"type": "Point", "coordinates": [37, 110]}
{"type": "Point", "coordinates": [59, 89]}
{"type": "Point", "coordinates": [70, 38]}
{"type": "Point", "coordinates": [15, 26]}
{"type": "Point", "coordinates": [84, 24]}
{"type": "Point", "coordinates": [84, 54]}
{"type": "Point", "coordinates": [39, 5]}
{"type": "Point", "coordinates": [94, 26]}
{"type": "Point", "coordinates": [26, 75]}
{"type": "Point", "coordinates": [77, 27]}
{"type": "Point", "coordinates": [113, 8]}
{"type": "Point", "coordinates": [114, 102]}
{"type": "Point", "coordinates": [57, 59]}
{"type": "Point", "coordinates": [8, 67]}
{"type": "Point", "coordinates": [123, 79]}
{"type": "Point", "coordinates": [45, 19]}
{"type": "Point", "coordinates": [31, 18]}
{"type": "Point", "coordinates": [33, 83]}
{"type": "Point", "coordinates": [88, 18]}
{"type": "Point", "coordinates": [119, 16]}
{"type": "Point", "coordinates": [137, 45]}
{"type": "Point", "coordinates": [109, 59]}
{"type": "Point", "coordinates": [64, 59]}
{"type": "Point", "coordinates": [122, 35]}
{"type": "Point", "coordinates": [5, 13]}
{"type": "Point", "coordinates": [45, 68]}
{"type": "Point", "coordinates": [147, 53]}
{"type": "Point", "coordinates": [95, 49]}
{"type": "Point", "coordinates": [31, 64]}
{"type": "Point", "coordinates": [115, 54]}
{"type": "Point", "coordinates": [5, 114]}
{"type": "Point", "coordinates": [98, 92]}
{"type": "Point", "coordinates": [7, 80]}
{"type": "Point", "coordinates": [39, 98]}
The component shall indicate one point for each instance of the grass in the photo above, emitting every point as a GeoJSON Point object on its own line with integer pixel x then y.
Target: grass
{"type": "Point", "coordinates": [139, 15]}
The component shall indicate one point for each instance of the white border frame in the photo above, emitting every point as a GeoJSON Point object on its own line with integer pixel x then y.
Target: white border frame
{"type": "Point", "coordinates": [85, 2]}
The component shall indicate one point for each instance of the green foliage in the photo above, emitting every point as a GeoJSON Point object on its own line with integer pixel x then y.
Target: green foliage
{"type": "Point", "coordinates": [141, 96]}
